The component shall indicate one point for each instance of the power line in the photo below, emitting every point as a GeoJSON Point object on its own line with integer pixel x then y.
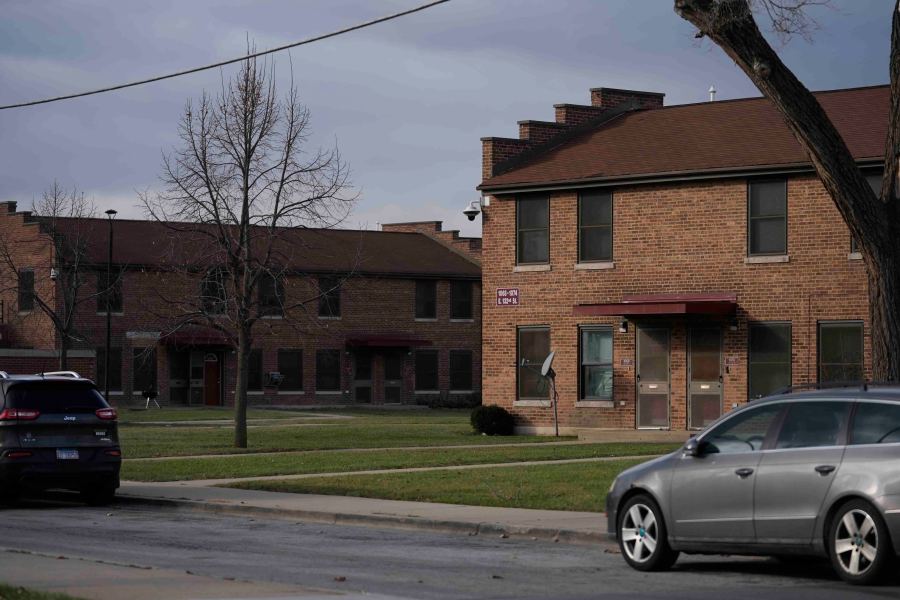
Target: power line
{"type": "Point", "coordinates": [231, 61]}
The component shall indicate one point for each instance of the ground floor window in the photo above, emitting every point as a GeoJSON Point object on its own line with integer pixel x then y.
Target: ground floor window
{"type": "Point", "coordinates": [290, 365]}
{"type": "Point", "coordinates": [255, 371]}
{"type": "Point", "coordinates": [426, 370]}
{"type": "Point", "coordinates": [328, 370]}
{"type": "Point", "coordinates": [840, 351]}
{"type": "Point", "coordinates": [596, 351]}
{"type": "Point", "coordinates": [769, 358]}
{"type": "Point", "coordinates": [115, 368]}
{"type": "Point", "coordinates": [461, 370]}
{"type": "Point", "coordinates": [143, 372]}
{"type": "Point", "coordinates": [533, 347]}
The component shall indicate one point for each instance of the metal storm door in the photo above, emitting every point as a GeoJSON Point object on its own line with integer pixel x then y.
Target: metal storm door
{"type": "Point", "coordinates": [653, 378]}
{"type": "Point", "coordinates": [362, 376]}
{"type": "Point", "coordinates": [704, 376]}
{"type": "Point", "coordinates": [212, 376]}
{"type": "Point", "coordinates": [393, 377]}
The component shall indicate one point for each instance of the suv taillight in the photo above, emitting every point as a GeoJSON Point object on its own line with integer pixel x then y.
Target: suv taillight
{"type": "Point", "coordinates": [21, 414]}
{"type": "Point", "coordinates": [107, 414]}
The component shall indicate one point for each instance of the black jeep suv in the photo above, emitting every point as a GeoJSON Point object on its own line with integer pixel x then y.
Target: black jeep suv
{"type": "Point", "coordinates": [57, 431]}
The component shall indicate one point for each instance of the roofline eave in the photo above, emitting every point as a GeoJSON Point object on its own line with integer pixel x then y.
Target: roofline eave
{"type": "Point", "coordinates": [663, 177]}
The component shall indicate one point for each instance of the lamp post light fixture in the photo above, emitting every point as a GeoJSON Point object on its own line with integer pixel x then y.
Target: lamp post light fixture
{"type": "Point", "coordinates": [106, 293]}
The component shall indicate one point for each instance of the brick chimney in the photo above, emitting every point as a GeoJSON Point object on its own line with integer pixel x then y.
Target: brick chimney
{"type": "Point", "coordinates": [470, 247]}
{"type": "Point", "coordinates": [498, 151]}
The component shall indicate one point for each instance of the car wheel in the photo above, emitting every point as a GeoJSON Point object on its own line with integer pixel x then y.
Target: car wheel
{"type": "Point", "coordinates": [100, 495]}
{"type": "Point", "coordinates": [9, 495]}
{"type": "Point", "coordinates": [858, 543]}
{"type": "Point", "coordinates": [642, 535]}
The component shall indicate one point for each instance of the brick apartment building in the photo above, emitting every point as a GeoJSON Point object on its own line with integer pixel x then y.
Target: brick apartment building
{"type": "Point", "coordinates": [393, 317]}
{"type": "Point", "coordinates": [679, 260]}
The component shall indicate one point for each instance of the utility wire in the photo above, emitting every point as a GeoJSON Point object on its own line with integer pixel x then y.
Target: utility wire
{"type": "Point", "coordinates": [231, 61]}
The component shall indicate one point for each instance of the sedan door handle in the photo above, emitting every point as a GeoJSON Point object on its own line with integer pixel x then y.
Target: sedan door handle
{"type": "Point", "coordinates": [744, 472]}
{"type": "Point", "coordinates": [825, 469]}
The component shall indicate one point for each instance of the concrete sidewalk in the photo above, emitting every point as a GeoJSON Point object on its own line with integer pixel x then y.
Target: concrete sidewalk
{"type": "Point", "coordinates": [562, 526]}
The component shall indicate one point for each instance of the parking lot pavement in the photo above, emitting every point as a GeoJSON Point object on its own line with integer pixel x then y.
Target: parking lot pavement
{"type": "Point", "coordinates": [107, 581]}
{"type": "Point", "coordinates": [311, 559]}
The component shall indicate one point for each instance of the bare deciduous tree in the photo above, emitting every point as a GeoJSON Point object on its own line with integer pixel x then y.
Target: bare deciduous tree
{"type": "Point", "coordinates": [61, 216]}
{"type": "Point", "coordinates": [239, 184]}
{"type": "Point", "coordinates": [874, 220]}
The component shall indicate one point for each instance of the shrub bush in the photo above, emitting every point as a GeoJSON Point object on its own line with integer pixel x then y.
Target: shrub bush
{"type": "Point", "coordinates": [492, 420]}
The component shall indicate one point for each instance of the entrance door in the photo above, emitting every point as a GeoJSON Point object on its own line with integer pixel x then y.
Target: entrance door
{"type": "Point", "coordinates": [704, 376]}
{"type": "Point", "coordinates": [653, 378]}
{"type": "Point", "coordinates": [362, 376]}
{"type": "Point", "coordinates": [393, 377]}
{"type": "Point", "coordinates": [211, 378]}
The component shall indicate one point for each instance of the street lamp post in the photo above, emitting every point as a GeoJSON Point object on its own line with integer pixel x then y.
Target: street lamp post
{"type": "Point", "coordinates": [110, 213]}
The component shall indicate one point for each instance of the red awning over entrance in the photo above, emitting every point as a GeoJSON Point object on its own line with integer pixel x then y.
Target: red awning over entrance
{"type": "Point", "coordinates": [385, 341]}
{"type": "Point", "coordinates": [712, 303]}
{"type": "Point", "coordinates": [196, 338]}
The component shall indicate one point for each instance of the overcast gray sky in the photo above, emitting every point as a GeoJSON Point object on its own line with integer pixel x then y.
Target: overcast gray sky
{"type": "Point", "coordinates": [406, 101]}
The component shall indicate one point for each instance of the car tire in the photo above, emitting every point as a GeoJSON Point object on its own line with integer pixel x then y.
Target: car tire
{"type": "Point", "coordinates": [9, 495]}
{"type": "Point", "coordinates": [101, 495]}
{"type": "Point", "coordinates": [642, 535]}
{"type": "Point", "coordinates": [858, 543]}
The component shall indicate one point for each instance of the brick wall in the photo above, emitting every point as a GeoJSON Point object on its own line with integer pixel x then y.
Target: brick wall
{"type": "Point", "coordinates": [668, 238]}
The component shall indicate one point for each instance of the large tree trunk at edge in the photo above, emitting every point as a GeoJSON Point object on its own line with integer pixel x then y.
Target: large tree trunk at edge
{"type": "Point", "coordinates": [873, 221]}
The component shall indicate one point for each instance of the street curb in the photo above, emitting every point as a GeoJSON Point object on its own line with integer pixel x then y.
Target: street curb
{"type": "Point", "coordinates": [375, 520]}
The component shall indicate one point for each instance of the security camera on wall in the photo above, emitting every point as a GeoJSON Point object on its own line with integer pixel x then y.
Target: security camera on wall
{"type": "Point", "coordinates": [472, 209]}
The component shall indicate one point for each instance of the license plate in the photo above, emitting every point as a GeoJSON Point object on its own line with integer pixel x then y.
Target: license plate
{"type": "Point", "coordinates": [64, 454]}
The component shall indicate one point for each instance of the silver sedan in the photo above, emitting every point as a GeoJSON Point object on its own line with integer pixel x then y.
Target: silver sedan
{"type": "Point", "coordinates": [812, 473]}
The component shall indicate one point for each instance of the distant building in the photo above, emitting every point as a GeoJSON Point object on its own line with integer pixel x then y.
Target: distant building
{"type": "Point", "coordinates": [679, 260]}
{"type": "Point", "coordinates": [398, 319]}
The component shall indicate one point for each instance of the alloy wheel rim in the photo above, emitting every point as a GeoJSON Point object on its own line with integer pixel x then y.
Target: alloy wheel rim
{"type": "Point", "coordinates": [640, 533]}
{"type": "Point", "coordinates": [856, 542]}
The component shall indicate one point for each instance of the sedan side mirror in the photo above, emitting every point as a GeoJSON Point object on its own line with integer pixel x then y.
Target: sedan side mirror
{"type": "Point", "coordinates": [692, 447]}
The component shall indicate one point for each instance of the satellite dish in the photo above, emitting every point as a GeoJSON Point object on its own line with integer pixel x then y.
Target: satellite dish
{"type": "Point", "coordinates": [546, 369]}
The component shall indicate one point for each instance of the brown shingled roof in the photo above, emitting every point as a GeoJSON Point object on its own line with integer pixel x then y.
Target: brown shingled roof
{"type": "Point", "coordinates": [149, 243]}
{"type": "Point", "coordinates": [694, 138]}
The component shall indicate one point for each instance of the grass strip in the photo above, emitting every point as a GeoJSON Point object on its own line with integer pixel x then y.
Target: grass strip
{"type": "Point", "coordinates": [8, 592]}
{"type": "Point", "coordinates": [349, 461]}
{"type": "Point", "coordinates": [576, 487]}
{"type": "Point", "coordinates": [151, 441]}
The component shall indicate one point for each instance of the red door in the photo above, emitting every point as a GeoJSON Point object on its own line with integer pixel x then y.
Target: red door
{"type": "Point", "coordinates": [211, 372]}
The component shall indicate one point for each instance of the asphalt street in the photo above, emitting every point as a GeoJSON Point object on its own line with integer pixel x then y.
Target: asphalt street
{"type": "Point", "coordinates": [389, 563]}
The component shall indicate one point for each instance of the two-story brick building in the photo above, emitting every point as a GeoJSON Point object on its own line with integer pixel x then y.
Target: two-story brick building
{"type": "Point", "coordinates": [389, 316]}
{"type": "Point", "coordinates": [679, 260]}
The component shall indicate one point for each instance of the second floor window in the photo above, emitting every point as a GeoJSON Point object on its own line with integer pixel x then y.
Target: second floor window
{"type": "Point", "coordinates": [109, 292]}
{"type": "Point", "coordinates": [767, 217]}
{"type": "Point", "coordinates": [533, 229]}
{"type": "Point", "coordinates": [212, 292]}
{"type": "Point", "coordinates": [329, 297]}
{"type": "Point", "coordinates": [426, 299]}
{"type": "Point", "coordinates": [874, 181]}
{"type": "Point", "coordinates": [461, 300]}
{"type": "Point", "coordinates": [271, 296]}
{"type": "Point", "coordinates": [26, 290]}
{"type": "Point", "coordinates": [595, 231]}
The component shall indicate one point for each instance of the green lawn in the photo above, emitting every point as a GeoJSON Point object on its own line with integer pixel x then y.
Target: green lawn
{"type": "Point", "coordinates": [579, 486]}
{"type": "Point", "coordinates": [147, 441]}
{"type": "Point", "coordinates": [8, 592]}
{"type": "Point", "coordinates": [340, 461]}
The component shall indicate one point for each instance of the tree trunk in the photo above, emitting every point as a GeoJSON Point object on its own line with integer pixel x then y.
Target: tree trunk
{"type": "Point", "coordinates": [872, 221]}
{"type": "Point", "coordinates": [63, 352]}
{"type": "Point", "coordinates": [884, 312]}
{"type": "Point", "coordinates": [240, 389]}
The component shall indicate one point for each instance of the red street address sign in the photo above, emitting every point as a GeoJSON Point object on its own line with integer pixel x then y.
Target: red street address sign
{"type": "Point", "coordinates": [507, 296]}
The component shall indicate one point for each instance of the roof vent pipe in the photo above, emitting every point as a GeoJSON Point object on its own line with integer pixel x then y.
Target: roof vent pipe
{"type": "Point", "coordinates": [712, 93]}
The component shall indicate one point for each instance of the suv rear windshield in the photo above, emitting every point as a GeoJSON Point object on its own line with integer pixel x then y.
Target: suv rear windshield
{"type": "Point", "coordinates": [55, 398]}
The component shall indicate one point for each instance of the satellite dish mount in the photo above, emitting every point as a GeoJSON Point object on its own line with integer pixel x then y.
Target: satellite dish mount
{"type": "Point", "coordinates": [548, 372]}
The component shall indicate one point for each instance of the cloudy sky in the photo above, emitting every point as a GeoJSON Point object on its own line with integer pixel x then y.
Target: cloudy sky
{"type": "Point", "coordinates": [406, 101]}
